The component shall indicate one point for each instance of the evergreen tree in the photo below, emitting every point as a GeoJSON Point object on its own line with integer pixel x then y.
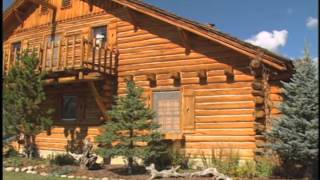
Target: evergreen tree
{"type": "Point", "coordinates": [23, 98]}
{"type": "Point", "coordinates": [131, 128]}
{"type": "Point", "coordinates": [295, 135]}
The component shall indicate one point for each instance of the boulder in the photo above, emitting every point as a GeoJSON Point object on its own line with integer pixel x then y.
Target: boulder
{"type": "Point", "coordinates": [24, 169]}
{"type": "Point", "coordinates": [71, 177]}
{"type": "Point", "coordinates": [17, 170]}
{"type": "Point", "coordinates": [43, 174]}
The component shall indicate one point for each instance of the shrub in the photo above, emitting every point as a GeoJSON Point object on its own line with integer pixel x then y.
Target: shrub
{"type": "Point", "coordinates": [226, 164]}
{"type": "Point", "coordinates": [62, 159]}
{"type": "Point", "coordinates": [248, 169]}
{"type": "Point", "coordinates": [265, 166]}
{"type": "Point", "coordinates": [180, 158]}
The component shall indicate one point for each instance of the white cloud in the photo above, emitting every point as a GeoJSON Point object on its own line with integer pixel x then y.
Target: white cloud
{"type": "Point", "coordinates": [270, 40]}
{"type": "Point", "coordinates": [312, 22]}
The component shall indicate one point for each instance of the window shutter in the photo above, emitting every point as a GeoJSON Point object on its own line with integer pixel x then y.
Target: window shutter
{"type": "Point", "coordinates": [187, 114]}
{"type": "Point", "coordinates": [112, 35]}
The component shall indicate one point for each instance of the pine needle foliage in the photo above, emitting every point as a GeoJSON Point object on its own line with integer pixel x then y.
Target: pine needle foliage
{"type": "Point", "coordinates": [22, 99]}
{"type": "Point", "coordinates": [295, 135]}
{"type": "Point", "coordinates": [130, 129]}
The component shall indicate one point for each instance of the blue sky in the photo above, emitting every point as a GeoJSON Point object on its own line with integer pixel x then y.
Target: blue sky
{"type": "Point", "coordinates": [281, 26]}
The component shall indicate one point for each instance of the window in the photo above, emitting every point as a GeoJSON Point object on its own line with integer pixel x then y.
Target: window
{"type": "Point", "coordinates": [100, 35]}
{"type": "Point", "coordinates": [66, 3]}
{"type": "Point", "coordinates": [167, 108]}
{"type": "Point", "coordinates": [69, 108]}
{"type": "Point", "coordinates": [53, 43]}
{"type": "Point", "coordinates": [15, 51]}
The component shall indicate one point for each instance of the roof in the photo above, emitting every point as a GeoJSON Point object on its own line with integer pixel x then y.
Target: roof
{"type": "Point", "coordinates": [274, 60]}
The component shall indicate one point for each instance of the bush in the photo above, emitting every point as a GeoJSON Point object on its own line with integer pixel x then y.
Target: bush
{"type": "Point", "coordinates": [248, 169]}
{"type": "Point", "coordinates": [180, 158]}
{"type": "Point", "coordinates": [226, 164]}
{"type": "Point", "coordinates": [17, 161]}
{"type": "Point", "coordinates": [62, 159]}
{"type": "Point", "coordinates": [265, 166]}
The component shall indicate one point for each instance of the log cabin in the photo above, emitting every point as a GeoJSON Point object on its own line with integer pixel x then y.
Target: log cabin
{"type": "Point", "coordinates": [211, 91]}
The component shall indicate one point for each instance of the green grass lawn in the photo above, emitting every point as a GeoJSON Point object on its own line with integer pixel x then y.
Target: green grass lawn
{"type": "Point", "coordinates": [24, 176]}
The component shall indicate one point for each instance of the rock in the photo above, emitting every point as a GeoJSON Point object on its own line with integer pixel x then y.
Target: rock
{"type": "Point", "coordinates": [28, 172]}
{"type": "Point", "coordinates": [35, 167]}
{"type": "Point", "coordinates": [84, 177]}
{"type": "Point", "coordinates": [34, 172]}
{"type": "Point", "coordinates": [43, 174]}
{"type": "Point", "coordinates": [24, 169]}
{"type": "Point", "coordinates": [90, 178]}
{"type": "Point", "coordinates": [30, 168]}
{"type": "Point", "coordinates": [42, 166]}
{"type": "Point", "coordinates": [105, 178]}
{"type": "Point", "coordinates": [9, 169]}
{"type": "Point", "coordinates": [17, 170]}
{"type": "Point", "coordinates": [70, 177]}
{"type": "Point", "coordinates": [63, 176]}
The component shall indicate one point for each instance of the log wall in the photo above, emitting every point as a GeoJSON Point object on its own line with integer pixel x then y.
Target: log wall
{"type": "Point", "coordinates": [216, 80]}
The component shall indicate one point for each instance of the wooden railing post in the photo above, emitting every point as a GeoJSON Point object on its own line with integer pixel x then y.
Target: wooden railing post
{"type": "Point", "coordinates": [44, 62]}
{"type": "Point", "coordinates": [93, 52]}
{"type": "Point", "coordinates": [59, 54]}
{"type": "Point", "coordinates": [110, 58]}
{"type": "Point", "coordinates": [82, 52]}
{"type": "Point", "coordinates": [73, 50]}
{"type": "Point", "coordinates": [105, 60]}
{"type": "Point", "coordinates": [66, 52]}
{"type": "Point", "coordinates": [52, 53]}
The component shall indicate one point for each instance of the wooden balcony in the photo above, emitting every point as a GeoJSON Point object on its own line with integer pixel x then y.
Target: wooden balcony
{"type": "Point", "coordinates": [69, 56]}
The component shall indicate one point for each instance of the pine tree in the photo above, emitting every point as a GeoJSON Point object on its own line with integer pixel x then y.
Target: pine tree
{"type": "Point", "coordinates": [23, 97]}
{"type": "Point", "coordinates": [295, 135]}
{"type": "Point", "coordinates": [131, 128]}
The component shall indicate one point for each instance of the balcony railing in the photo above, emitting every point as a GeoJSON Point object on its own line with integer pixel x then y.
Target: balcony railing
{"type": "Point", "coordinates": [70, 53]}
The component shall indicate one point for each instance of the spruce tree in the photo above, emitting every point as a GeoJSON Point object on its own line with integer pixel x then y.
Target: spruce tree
{"type": "Point", "coordinates": [23, 96]}
{"type": "Point", "coordinates": [294, 136]}
{"type": "Point", "coordinates": [131, 129]}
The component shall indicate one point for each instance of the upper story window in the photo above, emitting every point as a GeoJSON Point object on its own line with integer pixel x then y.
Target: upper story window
{"type": "Point", "coordinates": [15, 50]}
{"type": "Point", "coordinates": [100, 35]}
{"type": "Point", "coordinates": [167, 107]}
{"type": "Point", "coordinates": [53, 47]}
{"type": "Point", "coordinates": [66, 4]}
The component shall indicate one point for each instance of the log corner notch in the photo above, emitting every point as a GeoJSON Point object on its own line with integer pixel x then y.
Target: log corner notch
{"type": "Point", "coordinates": [152, 78]}
{"type": "Point", "coordinates": [176, 76]}
{"type": "Point", "coordinates": [203, 76]}
{"type": "Point", "coordinates": [229, 74]}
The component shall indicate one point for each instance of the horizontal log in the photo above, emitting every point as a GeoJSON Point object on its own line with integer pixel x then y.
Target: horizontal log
{"type": "Point", "coordinates": [218, 145]}
{"type": "Point", "coordinates": [151, 77]}
{"type": "Point", "coordinates": [230, 118]}
{"type": "Point", "coordinates": [198, 138]}
{"type": "Point", "coordinates": [222, 98]}
{"type": "Point", "coordinates": [257, 93]}
{"type": "Point", "coordinates": [226, 105]}
{"type": "Point", "coordinates": [258, 100]}
{"type": "Point", "coordinates": [224, 125]}
{"type": "Point", "coordinates": [225, 132]}
{"type": "Point", "coordinates": [223, 112]}
{"type": "Point", "coordinates": [259, 114]}
{"type": "Point", "coordinates": [234, 91]}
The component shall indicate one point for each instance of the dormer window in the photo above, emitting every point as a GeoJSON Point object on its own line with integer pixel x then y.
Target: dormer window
{"type": "Point", "coordinates": [100, 35]}
{"type": "Point", "coordinates": [66, 4]}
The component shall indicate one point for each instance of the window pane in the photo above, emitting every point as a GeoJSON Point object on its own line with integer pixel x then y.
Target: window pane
{"type": "Point", "coordinates": [53, 39]}
{"type": "Point", "coordinates": [100, 34]}
{"type": "Point", "coordinates": [15, 50]}
{"type": "Point", "coordinates": [167, 107]}
{"type": "Point", "coordinates": [69, 110]}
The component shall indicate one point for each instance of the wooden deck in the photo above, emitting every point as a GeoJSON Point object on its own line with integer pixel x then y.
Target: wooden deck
{"type": "Point", "coordinates": [69, 56]}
